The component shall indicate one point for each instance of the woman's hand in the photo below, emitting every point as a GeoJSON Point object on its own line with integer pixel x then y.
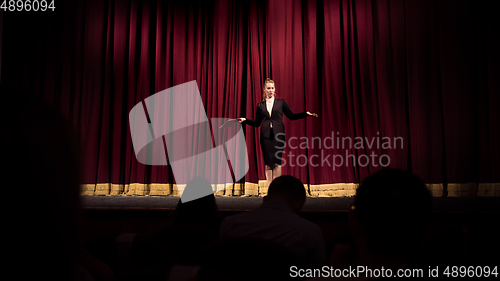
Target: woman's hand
{"type": "Point", "coordinates": [242, 119]}
{"type": "Point", "coordinates": [312, 114]}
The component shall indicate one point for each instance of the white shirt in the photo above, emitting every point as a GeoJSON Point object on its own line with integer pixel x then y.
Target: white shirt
{"type": "Point", "coordinates": [276, 222]}
{"type": "Point", "coordinates": [269, 104]}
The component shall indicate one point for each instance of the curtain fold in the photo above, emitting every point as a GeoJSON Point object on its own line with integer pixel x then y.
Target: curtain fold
{"type": "Point", "coordinates": [403, 84]}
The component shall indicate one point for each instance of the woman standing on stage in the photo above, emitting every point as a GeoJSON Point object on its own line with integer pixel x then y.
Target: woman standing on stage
{"type": "Point", "coordinates": [269, 113]}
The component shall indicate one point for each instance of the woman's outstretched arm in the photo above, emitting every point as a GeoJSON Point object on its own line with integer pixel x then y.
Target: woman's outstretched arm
{"type": "Point", "coordinates": [253, 123]}
{"type": "Point", "coordinates": [295, 116]}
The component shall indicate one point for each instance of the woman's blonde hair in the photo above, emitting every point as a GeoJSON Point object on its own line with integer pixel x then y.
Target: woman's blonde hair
{"type": "Point", "coordinates": [268, 80]}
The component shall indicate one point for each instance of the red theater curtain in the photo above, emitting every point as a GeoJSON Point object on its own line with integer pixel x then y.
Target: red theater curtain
{"type": "Point", "coordinates": [417, 81]}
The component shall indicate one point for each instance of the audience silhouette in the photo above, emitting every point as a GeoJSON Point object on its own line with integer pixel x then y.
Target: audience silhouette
{"type": "Point", "coordinates": [388, 223]}
{"type": "Point", "coordinates": [277, 220]}
{"type": "Point", "coordinates": [391, 216]}
{"type": "Point", "coordinates": [40, 153]}
{"type": "Point", "coordinates": [195, 223]}
{"type": "Point", "coordinates": [202, 211]}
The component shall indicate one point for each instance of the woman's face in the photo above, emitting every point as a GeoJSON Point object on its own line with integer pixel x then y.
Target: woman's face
{"type": "Point", "coordinates": [269, 90]}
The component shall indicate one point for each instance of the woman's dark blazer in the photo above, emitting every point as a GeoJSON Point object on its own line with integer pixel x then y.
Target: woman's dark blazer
{"type": "Point", "coordinates": [262, 117]}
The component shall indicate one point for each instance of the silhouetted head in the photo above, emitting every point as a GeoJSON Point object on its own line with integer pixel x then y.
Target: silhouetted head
{"type": "Point", "coordinates": [289, 190]}
{"type": "Point", "coordinates": [202, 211]}
{"type": "Point", "coordinates": [392, 208]}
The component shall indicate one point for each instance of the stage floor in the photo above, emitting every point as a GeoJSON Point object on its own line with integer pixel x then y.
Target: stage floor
{"type": "Point", "coordinates": [315, 204]}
